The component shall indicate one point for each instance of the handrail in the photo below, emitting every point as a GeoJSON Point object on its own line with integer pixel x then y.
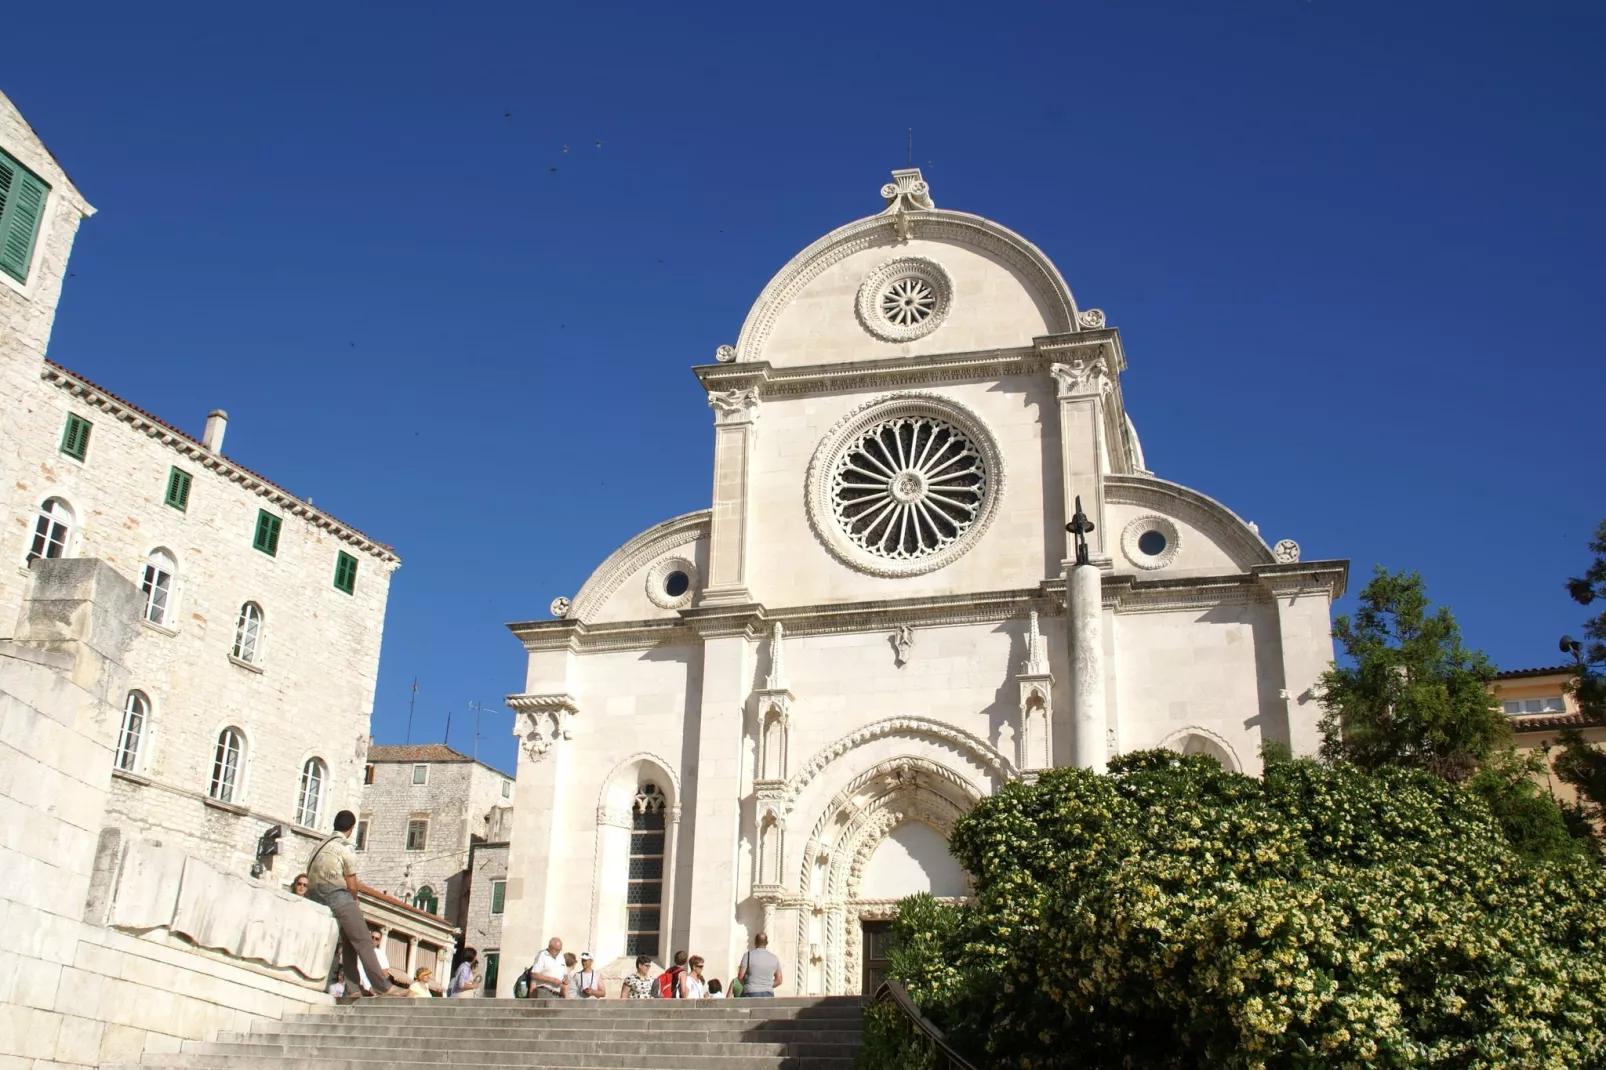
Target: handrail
{"type": "Point", "coordinates": [892, 990]}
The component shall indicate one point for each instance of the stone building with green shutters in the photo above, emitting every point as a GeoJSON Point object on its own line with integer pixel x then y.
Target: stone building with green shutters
{"type": "Point", "coordinates": [254, 664]}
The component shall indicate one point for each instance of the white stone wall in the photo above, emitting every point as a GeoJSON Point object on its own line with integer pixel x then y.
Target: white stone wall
{"type": "Point", "coordinates": [481, 928]}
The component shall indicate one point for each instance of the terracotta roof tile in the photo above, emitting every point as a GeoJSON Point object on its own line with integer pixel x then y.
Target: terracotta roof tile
{"type": "Point", "coordinates": [1547, 670]}
{"type": "Point", "coordinates": [416, 752]}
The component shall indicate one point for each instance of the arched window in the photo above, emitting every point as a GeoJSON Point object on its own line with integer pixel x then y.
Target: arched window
{"type": "Point", "coordinates": [226, 763]}
{"type": "Point", "coordinates": [52, 530]}
{"type": "Point", "coordinates": [136, 713]}
{"type": "Point", "coordinates": [645, 895]}
{"type": "Point", "coordinates": [248, 633]}
{"type": "Point", "coordinates": [158, 586]}
{"type": "Point", "coordinates": [310, 805]}
{"type": "Point", "coordinates": [426, 900]}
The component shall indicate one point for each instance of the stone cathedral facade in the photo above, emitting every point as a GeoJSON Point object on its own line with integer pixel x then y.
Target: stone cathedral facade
{"type": "Point", "coordinates": [768, 714]}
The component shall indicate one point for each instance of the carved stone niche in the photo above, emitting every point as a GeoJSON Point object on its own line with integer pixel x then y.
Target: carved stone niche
{"type": "Point", "coordinates": [1033, 747]}
{"type": "Point", "coordinates": [774, 713]}
{"type": "Point", "coordinates": [542, 721]}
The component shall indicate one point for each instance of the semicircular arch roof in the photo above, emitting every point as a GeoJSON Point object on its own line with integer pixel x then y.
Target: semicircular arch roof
{"type": "Point", "coordinates": [995, 240]}
{"type": "Point", "coordinates": [632, 556]}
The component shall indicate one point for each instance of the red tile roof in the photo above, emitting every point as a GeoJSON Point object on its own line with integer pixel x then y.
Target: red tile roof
{"type": "Point", "coordinates": [416, 752]}
{"type": "Point", "coordinates": [127, 410]}
{"type": "Point", "coordinates": [1547, 670]}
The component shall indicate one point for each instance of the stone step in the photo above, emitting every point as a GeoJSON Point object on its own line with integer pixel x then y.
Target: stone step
{"type": "Point", "coordinates": [343, 1060]}
{"type": "Point", "coordinates": [668, 1049]}
{"type": "Point", "coordinates": [777, 1031]}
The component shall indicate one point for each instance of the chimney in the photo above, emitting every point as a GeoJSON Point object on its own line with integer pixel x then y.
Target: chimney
{"type": "Point", "coordinates": [217, 422]}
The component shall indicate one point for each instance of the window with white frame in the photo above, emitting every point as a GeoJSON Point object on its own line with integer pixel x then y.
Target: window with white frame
{"type": "Point", "coordinates": [360, 840]}
{"type": "Point", "coordinates": [418, 833]}
{"type": "Point", "coordinates": [507, 789]}
{"type": "Point", "coordinates": [498, 896]}
{"type": "Point", "coordinates": [248, 633]}
{"type": "Point", "coordinates": [1530, 706]}
{"type": "Point", "coordinates": [158, 586]}
{"type": "Point", "coordinates": [130, 738]}
{"type": "Point", "coordinates": [420, 774]}
{"type": "Point", "coordinates": [310, 802]}
{"type": "Point", "coordinates": [52, 530]}
{"type": "Point", "coordinates": [227, 762]}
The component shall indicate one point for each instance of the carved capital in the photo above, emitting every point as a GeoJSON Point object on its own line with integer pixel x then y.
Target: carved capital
{"type": "Point", "coordinates": [734, 406]}
{"type": "Point", "coordinates": [1080, 377]}
{"type": "Point", "coordinates": [542, 721]}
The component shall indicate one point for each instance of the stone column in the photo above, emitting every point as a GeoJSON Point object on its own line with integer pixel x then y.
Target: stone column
{"type": "Point", "coordinates": [1087, 667]}
{"type": "Point", "coordinates": [1303, 595]}
{"type": "Point", "coordinates": [543, 724]}
{"type": "Point", "coordinates": [714, 784]}
{"type": "Point", "coordinates": [735, 414]}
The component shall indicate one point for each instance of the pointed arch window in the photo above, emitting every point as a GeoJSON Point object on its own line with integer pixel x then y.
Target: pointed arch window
{"type": "Point", "coordinates": [248, 633]}
{"type": "Point", "coordinates": [309, 806]}
{"type": "Point", "coordinates": [157, 586]}
{"type": "Point", "coordinates": [131, 736]}
{"type": "Point", "coordinates": [52, 531]}
{"type": "Point", "coordinates": [645, 894]}
{"type": "Point", "coordinates": [227, 762]}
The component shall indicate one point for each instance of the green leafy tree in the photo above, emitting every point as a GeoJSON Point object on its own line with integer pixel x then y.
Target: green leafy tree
{"type": "Point", "coordinates": [1413, 695]}
{"type": "Point", "coordinates": [1174, 916]}
{"type": "Point", "coordinates": [1580, 763]}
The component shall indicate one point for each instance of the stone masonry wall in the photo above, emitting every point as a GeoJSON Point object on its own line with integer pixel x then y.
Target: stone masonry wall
{"type": "Point", "coordinates": [309, 692]}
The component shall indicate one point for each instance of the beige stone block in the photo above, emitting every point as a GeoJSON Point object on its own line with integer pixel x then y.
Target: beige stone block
{"type": "Point", "coordinates": [36, 983]}
{"type": "Point", "coordinates": [28, 1032]}
{"type": "Point", "coordinates": [157, 1043]}
{"type": "Point", "coordinates": [121, 1044]}
{"type": "Point", "coordinates": [79, 1041]}
{"type": "Point", "coordinates": [94, 958]}
{"type": "Point", "coordinates": [79, 992]}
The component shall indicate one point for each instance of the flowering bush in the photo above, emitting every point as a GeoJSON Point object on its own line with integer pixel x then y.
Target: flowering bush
{"type": "Point", "coordinates": [1173, 915]}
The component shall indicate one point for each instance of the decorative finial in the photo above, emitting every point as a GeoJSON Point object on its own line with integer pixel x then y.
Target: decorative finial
{"type": "Point", "coordinates": [776, 681]}
{"type": "Point", "coordinates": [725, 354]}
{"type": "Point", "coordinates": [1286, 551]}
{"type": "Point", "coordinates": [560, 606]}
{"type": "Point", "coordinates": [907, 192]}
{"type": "Point", "coordinates": [1035, 664]}
{"type": "Point", "coordinates": [1081, 527]}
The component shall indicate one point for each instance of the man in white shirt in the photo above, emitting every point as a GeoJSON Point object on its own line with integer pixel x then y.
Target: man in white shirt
{"type": "Point", "coordinates": [384, 965]}
{"type": "Point", "coordinates": [548, 971]}
{"type": "Point", "coordinates": [586, 982]}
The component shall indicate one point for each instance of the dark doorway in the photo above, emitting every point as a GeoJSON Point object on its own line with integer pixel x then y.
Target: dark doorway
{"type": "Point", "coordinates": [877, 946]}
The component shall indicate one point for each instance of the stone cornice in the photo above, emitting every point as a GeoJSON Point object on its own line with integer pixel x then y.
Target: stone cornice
{"type": "Point", "coordinates": [1305, 577]}
{"type": "Point", "coordinates": [892, 373]}
{"type": "Point", "coordinates": [1123, 593]}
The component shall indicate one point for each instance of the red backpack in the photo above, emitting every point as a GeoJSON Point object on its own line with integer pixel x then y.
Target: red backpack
{"type": "Point", "coordinates": [669, 982]}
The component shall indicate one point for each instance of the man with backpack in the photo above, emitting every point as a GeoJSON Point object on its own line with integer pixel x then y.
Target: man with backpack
{"type": "Point", "coordinates": [672, 982]}
{"type": "Point", "coordinates": [332, 881]}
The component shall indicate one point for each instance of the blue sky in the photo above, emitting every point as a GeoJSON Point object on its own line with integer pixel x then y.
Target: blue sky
{"type": "Point", "coordinates": [1354, 250]}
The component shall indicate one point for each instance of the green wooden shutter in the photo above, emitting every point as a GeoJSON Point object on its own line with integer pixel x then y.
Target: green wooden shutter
{"type": "Point", "coordinates": [75, 436]}
{"type": "Point", "coordinates": [178, 489]}
{"type": "Point", "coordinates": [267, 535]}
{"type": "Point", "coordinates": [22, 206]}
{"type": "Point", "coordinates": [345, 572]}
{"type": "Point", "coordinates": [498, 896]}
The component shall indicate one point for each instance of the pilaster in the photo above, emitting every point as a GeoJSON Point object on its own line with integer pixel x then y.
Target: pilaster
{"type": "Point", "coordinates": [1034, 743]}
{"type": "Point", "coordinates": [1304, 595]}
{"type": "Point", "coordinates": [715, 783]}
{"type": "Point", "coordinates": [736, 414]}
{"type": "Point", "coordinates": [1083, 379]}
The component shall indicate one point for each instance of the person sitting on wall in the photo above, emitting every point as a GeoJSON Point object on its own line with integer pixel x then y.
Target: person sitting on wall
{"type": "Point", "coordinates": [419, 989]}
{"type": "Point", "coordinates": [332, 880]}
{"type": "Point", "coordinates": [299, 885]}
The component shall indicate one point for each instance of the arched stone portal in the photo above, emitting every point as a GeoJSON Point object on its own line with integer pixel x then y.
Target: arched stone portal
{"type": "Point", "coordinates": [881, 837]}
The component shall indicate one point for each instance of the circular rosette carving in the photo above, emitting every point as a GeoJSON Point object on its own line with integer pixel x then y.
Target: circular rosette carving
{"type": "Point", "coordinates": [904, 299]}
{"type": "Point", "coordinates": [1286, 551]}
{"type": "Point", "coordinates": [904, 485]}
{"type": "Point", "coordinates": [560, 606]}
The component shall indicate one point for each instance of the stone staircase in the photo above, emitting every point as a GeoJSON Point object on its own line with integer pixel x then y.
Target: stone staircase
{"type": "Point", "coordinates": [797, 1033]}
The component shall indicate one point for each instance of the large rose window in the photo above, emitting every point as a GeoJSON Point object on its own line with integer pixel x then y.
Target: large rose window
{"type": "Point", "coordinates": [908, 487]}
{"type": "Point", "coordinates": [904, 485]}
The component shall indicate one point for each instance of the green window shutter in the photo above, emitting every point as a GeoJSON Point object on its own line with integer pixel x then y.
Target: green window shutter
{"type": "Point", "coordinates": [178, 489]}
{"type": "Point", "coordinates": [75, 436]}
{"type": "Point", "coordinates": [498, 896]}
{"type": "Point", "coordinates": [267, 536]}
{"type": "Point", "coordinates": [345, 572]}
{"type": "Point", "coordinates": [22, 206]}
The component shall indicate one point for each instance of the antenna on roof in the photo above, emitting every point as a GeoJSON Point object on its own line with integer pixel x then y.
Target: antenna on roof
{"type": "Point", "coordinates": [410, 701]}
{"type": "Point", "coordinates": [478, 709]}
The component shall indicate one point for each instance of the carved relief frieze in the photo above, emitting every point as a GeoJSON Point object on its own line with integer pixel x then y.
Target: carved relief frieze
{"type": "Point", "coordinates": [739, 406]}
